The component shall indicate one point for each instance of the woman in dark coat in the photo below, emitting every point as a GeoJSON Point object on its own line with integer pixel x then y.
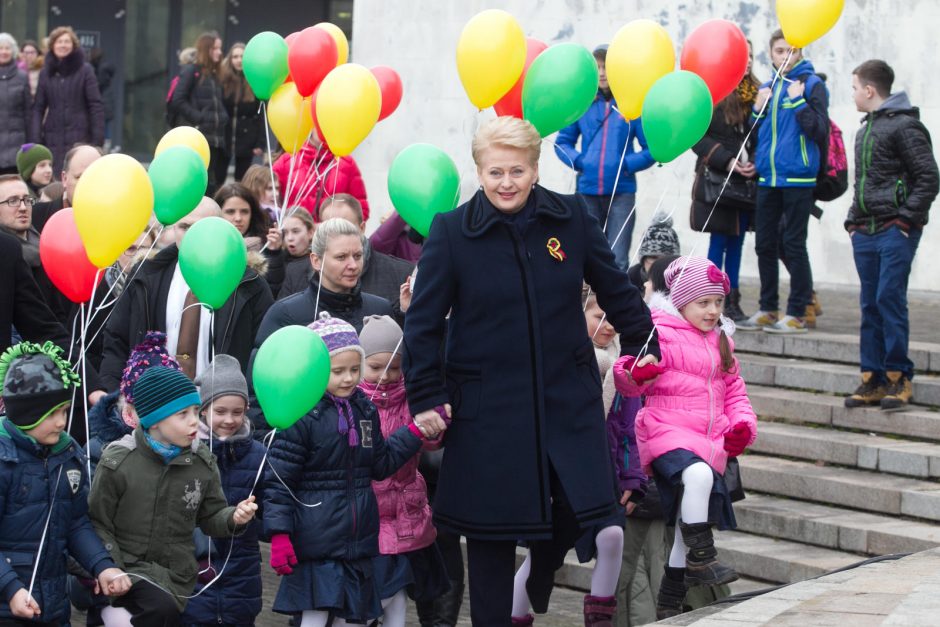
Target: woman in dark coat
{"type": "Point", "coordinates": [68, 108]}
{"type": "Point", "coordinates": [718, 151]}
{"type": "Point", "coordinates": [197, 101]}
{"type": "Point", "coordinates": [15, 105]}
{"type": "Point", "coordinates": [244, 137]}
{"type": "Point", "coordinates": [526, 455]}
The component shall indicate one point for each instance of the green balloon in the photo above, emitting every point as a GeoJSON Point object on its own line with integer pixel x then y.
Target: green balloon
{"type": "Point", "coordinates": [423, 182]}
{"type": "Point", "coordinates": [559, 87]}
{"type": "Point", "coordinates": [290, 373]}
{"type": "Point", "coordinates": [179, 178]}
{"type": "Point", "coordinates": [212, 259]}
{"type": "Point", "coordinates": [265, 63]}
{"type": "Point", "coordinates": [676, 114]}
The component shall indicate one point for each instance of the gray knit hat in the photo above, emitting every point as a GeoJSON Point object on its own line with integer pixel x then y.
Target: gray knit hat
{"type": "Point", "coordinates": [380, 334]}
{"type": "Point", "coordinates": [223, 377]}
{"type": "Point", "coordinates": [660, 238]}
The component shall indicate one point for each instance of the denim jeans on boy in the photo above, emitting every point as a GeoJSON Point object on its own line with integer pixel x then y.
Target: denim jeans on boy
{"type": "Point", "coordinates": [619, 210]}
{"type": "Point", "coordinates": [884, 262]}
{"type": "Point", "coordinates": [794, 203]}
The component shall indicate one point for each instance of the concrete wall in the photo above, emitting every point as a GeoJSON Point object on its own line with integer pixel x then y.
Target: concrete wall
{"type": "Point", "coordinates": [418, 39]}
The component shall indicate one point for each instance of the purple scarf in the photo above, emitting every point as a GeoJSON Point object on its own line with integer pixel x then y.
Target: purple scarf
{"type": "Point", "coordinates": [346, 425]}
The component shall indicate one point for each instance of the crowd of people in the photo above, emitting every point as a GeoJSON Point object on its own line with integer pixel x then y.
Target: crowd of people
{"type": "Point", "coordinates": [523, 383]}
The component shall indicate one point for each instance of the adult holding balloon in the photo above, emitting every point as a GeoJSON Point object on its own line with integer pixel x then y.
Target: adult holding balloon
{"type": "Point", "coordinates": [611, 152]}
{"type": "Point", "coordinates": [198, 101]}
{"type": "Point", "coordinates": [520, 379]}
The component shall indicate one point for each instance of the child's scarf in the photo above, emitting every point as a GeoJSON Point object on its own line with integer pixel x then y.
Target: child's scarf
{"type": "Point", "coordinates": [167, 451]}
{"type": "Point", "coordinates": [345, 425]}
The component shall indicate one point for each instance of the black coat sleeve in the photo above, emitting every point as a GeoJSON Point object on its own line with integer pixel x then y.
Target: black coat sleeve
{"type": "Point", "coordinates": [814, 118]}
{"type": "Point", "coordinates": [916, 153]}
{"type": "Point", "coordinates": [31, 315]}
{"type": "Point", "coordinates": [710, 149]}
{"type": "Point", "coordinates": [181, 102]}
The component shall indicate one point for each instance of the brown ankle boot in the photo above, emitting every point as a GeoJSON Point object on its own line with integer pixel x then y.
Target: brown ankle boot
{"type": "Point", "coordinates": [599, 611]}
{"type": "Point", "coordinates": [870, 392]}
{"type": "Point", "coordinates": [899, 393]}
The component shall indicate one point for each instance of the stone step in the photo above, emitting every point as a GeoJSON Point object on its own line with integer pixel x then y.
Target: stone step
{"type": "Point", "coordinates": [823, 346]}
{"type": "Point", "coordinates": [832, 527]}
{"type": "Point", "coordinates": [857, 489]}
{"type": "Point", "coordinates": [822, 377]}
{"type": "Point", "coordinates": [776, 560]}
{"type": "Point", "coordinates": [857, 450]}
{"type": "Point", "coordinates": [806, 407]}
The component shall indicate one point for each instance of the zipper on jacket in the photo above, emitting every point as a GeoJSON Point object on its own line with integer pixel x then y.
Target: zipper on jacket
{"type": "Point", "coordinates": [350, 489]}
{"type": "Point", "coordinates": [803, 151]}
{"type": "Point", "coordinates": [711, 401]}
{"type": "Point", "coordinates": [773, 135]}
{"type": "Point", "coordinates": [900, 193]}
{"type": "Point", "coordinates": [600, 167]}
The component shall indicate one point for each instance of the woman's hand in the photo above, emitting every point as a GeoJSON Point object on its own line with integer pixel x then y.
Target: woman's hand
{"type": "Point", "coordinates": [404, 295]}
{"type": "Point", "coordinates": [430, 422]}
{"type": "Point", "coordinates": [747, 170]}
{"type": "Point", "coordinates": [274, 238]}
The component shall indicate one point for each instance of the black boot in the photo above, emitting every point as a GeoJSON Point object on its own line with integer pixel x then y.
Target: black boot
{"type": "Point", "coordinates": [447, 606]}
{"type": "Point", "coordinates": [427, 616]}
{"type": "Point", "coordinates": [671, 599]}
{"type": "Point", "coordinates": [733, 306]}
{"type": "Point", "coordinates": [702, 565]}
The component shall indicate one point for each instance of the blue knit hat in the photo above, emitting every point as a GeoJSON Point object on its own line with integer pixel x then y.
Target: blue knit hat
{"type": "Point", "coordinates": [161, 392]}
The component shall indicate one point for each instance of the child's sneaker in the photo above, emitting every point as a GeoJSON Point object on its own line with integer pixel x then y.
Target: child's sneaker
{"type": "Point", "coordinates": [788, 325]}
{"type": "Point", "coordinates": [899, 392]}
{"type": "Point", "coordinates": [870, 392]}
{"type": "Point", "coordinates": [760, 320]}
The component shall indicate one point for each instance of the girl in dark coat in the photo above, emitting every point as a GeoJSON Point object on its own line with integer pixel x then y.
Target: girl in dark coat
{"type": "Point", "coordinates": [15, 105]}
{"type": "Point", "coordinates": [526, 455]}
{"type": "Point", "coordinates": [245, 132]}
{"type": "Point", "coordinates": [68, 108]}
{"type": "Point", "coordinates": [197, 101]}
{"type": "Point", "coordinates": [320, 511]}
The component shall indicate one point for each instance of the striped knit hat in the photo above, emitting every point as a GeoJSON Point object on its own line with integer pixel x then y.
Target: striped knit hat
{"type": "Point", "coordinates": [700, 278]}
{"type": "Point", "coordinates": [160, 392]}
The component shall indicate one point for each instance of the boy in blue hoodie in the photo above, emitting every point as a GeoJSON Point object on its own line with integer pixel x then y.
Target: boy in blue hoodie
{"type": "Point", "coordinates": [790, 130]}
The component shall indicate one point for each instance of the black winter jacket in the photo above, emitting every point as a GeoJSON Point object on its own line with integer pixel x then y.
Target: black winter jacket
{"type": "Point", "coordinates": [245, 130]}
{"type": "Point", "coordinates": [896, 177]}
{"type": "Point", "coordinates": [198, 102]}
{"type": "Point", "coordinates": [16, 112]}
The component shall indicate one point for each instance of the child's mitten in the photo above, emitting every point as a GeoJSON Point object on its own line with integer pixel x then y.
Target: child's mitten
{"type": "Point", "coordinates": [282, 554]}
{"type": "Point", "coordinates": [737, 439]}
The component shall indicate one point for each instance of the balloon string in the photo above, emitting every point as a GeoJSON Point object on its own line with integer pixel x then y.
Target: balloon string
{"type": "Point", "coordinates": [85, 396]}
{"type": "Point", "coordinates": [45, 532]}
{"type": "Point", "coordinates": [387, 366]}
{"type": "Point", "coordinates": [267, 138]}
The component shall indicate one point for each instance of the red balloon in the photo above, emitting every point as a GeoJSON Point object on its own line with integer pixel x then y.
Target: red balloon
{"type": "Point", "coordinates": [390, 84]}
{"type": "Point", "coordinates": [64, 258]}
{"type": "Point", "coordinates": [290, 40]}
{"type": "Point", "coordinates": [511, 103]}
{"type": "Point", "coordinates": [310, 58]}
{"type": "Point", "coordinates": [716, 51]}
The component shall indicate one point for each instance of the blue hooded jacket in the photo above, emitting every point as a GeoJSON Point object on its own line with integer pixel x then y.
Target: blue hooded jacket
{"type": "Point", "coordinates": [604, 135]}
{"type": "Point", "coordinates": [790, 132]}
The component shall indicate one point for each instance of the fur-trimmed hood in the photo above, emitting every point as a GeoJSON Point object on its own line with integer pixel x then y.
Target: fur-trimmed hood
{"type": "Point", "coordinates": [67, 66]}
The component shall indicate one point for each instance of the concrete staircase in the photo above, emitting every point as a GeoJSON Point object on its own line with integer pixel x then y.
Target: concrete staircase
{"type": "Point", "coordinates": [828, 486]}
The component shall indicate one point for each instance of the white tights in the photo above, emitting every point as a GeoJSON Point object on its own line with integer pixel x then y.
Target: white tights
{"type": "Point", "coordinates": [609, 544]}
{"type": "Point", "coordinates": [395, 608]}
{"type": "Point", "coordinates": [697, 482]}
{"type": "Point", "coordinates": [115, 617]}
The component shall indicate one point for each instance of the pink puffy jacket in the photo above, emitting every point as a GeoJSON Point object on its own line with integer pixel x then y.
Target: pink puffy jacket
{"type": "Point", "coordinates": [342, 178]}
{"type": "Point", "coordinates": [404, 512]}
{"type": "Point", "coordinates": [693, 403]}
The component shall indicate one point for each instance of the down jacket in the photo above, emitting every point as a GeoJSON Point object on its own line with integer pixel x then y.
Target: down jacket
{"type": "Point", "coordinates": [315, 464]}
{"type": "Point", "coordinates": [198, 101]}
{"type": "Point", "coordinates": [343, 177]}
{"type": "Point", "coordinates": [28, 474]}
{"type": "Point", "coordinates": [693, 403]}
{"type": "Point", "coordinates": [16, 112]}
{"type": "Point", "coordinates": [895, 171]}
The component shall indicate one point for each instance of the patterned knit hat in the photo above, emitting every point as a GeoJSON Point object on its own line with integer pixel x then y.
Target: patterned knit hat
{"type": "Point", "coordinates": [149, 353]}
{"type": "Point", "coordinates": [338, 335]}
{"type": "Point", "coordinates": [161, 392]}
{"type": "Point", "coordinates": [660, 238]}
{"type": "Point", "coordinates": [380, 334]}
{"type": "Point", "coordinates": [29, 157]}
{"type": "Point", "coordinates": [37, 380]}
{"type": "Point", "coordinates": [700, 278]}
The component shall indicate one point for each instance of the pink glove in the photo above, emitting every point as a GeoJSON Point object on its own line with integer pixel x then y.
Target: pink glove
{"type": "Point", "coordinates": [642, 374]}
{"type": "Point", "coordinates": [282, 554]}
{"type": "Point", "coordinates": [737, 438]}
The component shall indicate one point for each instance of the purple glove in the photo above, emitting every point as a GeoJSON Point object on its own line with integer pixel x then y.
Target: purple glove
{"type": "Point", "coordinates": [282, 554]}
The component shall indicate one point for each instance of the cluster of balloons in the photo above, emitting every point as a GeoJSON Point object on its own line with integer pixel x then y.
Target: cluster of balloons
{"type": "Point", "coordinates": [309, 85]}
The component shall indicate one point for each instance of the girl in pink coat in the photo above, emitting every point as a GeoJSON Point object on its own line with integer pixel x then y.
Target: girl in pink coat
{"type": "Point", "coordinates": [406, 533]}
{"type": "Point", "coordinates": [696, 415]}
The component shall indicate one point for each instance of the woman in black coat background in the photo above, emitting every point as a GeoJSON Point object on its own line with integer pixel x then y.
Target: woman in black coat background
{"type": "Point", "coordinates": [244, 136]}
{"type": "Point", "coordinates": [525, 457]}
{"type": "Point", "coordinates": [15, 105]}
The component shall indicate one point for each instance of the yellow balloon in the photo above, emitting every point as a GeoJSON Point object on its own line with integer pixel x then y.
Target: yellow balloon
{"type": "Point", "coordinates": [490, 56]}
{"type": "Point", "coordinates": [185, 136]}
{"type": "Point", "coordinates": [290, 117]}
{"type": "Point", "coordinates": [639, 55]}
{"type": "Point", "coordinates": [349, 101]}
{"type": "Point", "coordinates": [805, 21]}
{"type": "Point", "coordinates": [113, 204]}
{"type": "Point", "coordinates": [342, 44]}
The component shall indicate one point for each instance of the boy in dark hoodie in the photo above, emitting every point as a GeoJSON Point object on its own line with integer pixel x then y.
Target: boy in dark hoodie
{"type": "Point", "coordinates": [896, 180]}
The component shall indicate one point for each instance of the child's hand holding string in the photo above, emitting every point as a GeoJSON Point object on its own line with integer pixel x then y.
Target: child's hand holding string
{"type": "Point", "coordinates": [245, 511]}
{"type": "Point", "coordinates": [23, 605]}
{"type": "Point", "coordinates": [113, 582]}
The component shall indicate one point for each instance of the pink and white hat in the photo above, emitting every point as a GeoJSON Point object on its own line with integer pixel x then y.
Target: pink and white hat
{"type": "Point", "coordinates": [700, 278]}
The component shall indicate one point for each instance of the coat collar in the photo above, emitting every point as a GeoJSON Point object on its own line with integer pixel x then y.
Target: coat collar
{"type": "Point", "coordinates": [480, 214]}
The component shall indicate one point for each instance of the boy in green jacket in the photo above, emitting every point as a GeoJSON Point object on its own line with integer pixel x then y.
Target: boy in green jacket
{"type": "Point", "coordinates": [151, 490]}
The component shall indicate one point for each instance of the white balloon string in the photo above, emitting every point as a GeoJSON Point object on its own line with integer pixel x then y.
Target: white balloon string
{"type": "Point", "coordinates": [387, 366]}
{"type": "Point", "coordinates": [45, 532]}
{"type": "Point", "coordinates": [267, 138]}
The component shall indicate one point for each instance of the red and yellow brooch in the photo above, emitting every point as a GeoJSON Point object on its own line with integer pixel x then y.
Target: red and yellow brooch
{"type": "Point", "coordinates": [554, 249]}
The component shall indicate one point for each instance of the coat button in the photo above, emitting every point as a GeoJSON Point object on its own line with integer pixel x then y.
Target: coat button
{"type": "Point", "coordinates": [187, 459]}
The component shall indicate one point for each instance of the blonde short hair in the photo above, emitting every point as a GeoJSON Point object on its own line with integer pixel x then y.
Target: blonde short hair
{"type": "Point", "coordinates": [334, 227]}
{"type": "Point", "coordinates": [507, 132]}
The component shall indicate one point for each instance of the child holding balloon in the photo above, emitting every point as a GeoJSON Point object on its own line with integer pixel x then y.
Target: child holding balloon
{"type": "Point", "coordinates": [320, 510]}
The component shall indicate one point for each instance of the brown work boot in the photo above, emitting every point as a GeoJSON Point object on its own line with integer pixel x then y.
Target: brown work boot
{"type": "Point", "coordinates": [899, 392]}
{"type": "Point", "coordinates": [817, 308]}
{"type": "Point", "coordinates": [870, 392]}
{"type": "Point", "coordinates": [809, 318]}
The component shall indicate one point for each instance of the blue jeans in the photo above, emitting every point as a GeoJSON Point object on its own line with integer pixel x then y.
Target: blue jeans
{"type": "Point", "coordinates": [619, 210]}
{"type": "Point", "coordinates": [727, 249]}
{"type": "Point", "coordinates": [884, 262]}
{"type": "Point", "coordinates": [794, 204]}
